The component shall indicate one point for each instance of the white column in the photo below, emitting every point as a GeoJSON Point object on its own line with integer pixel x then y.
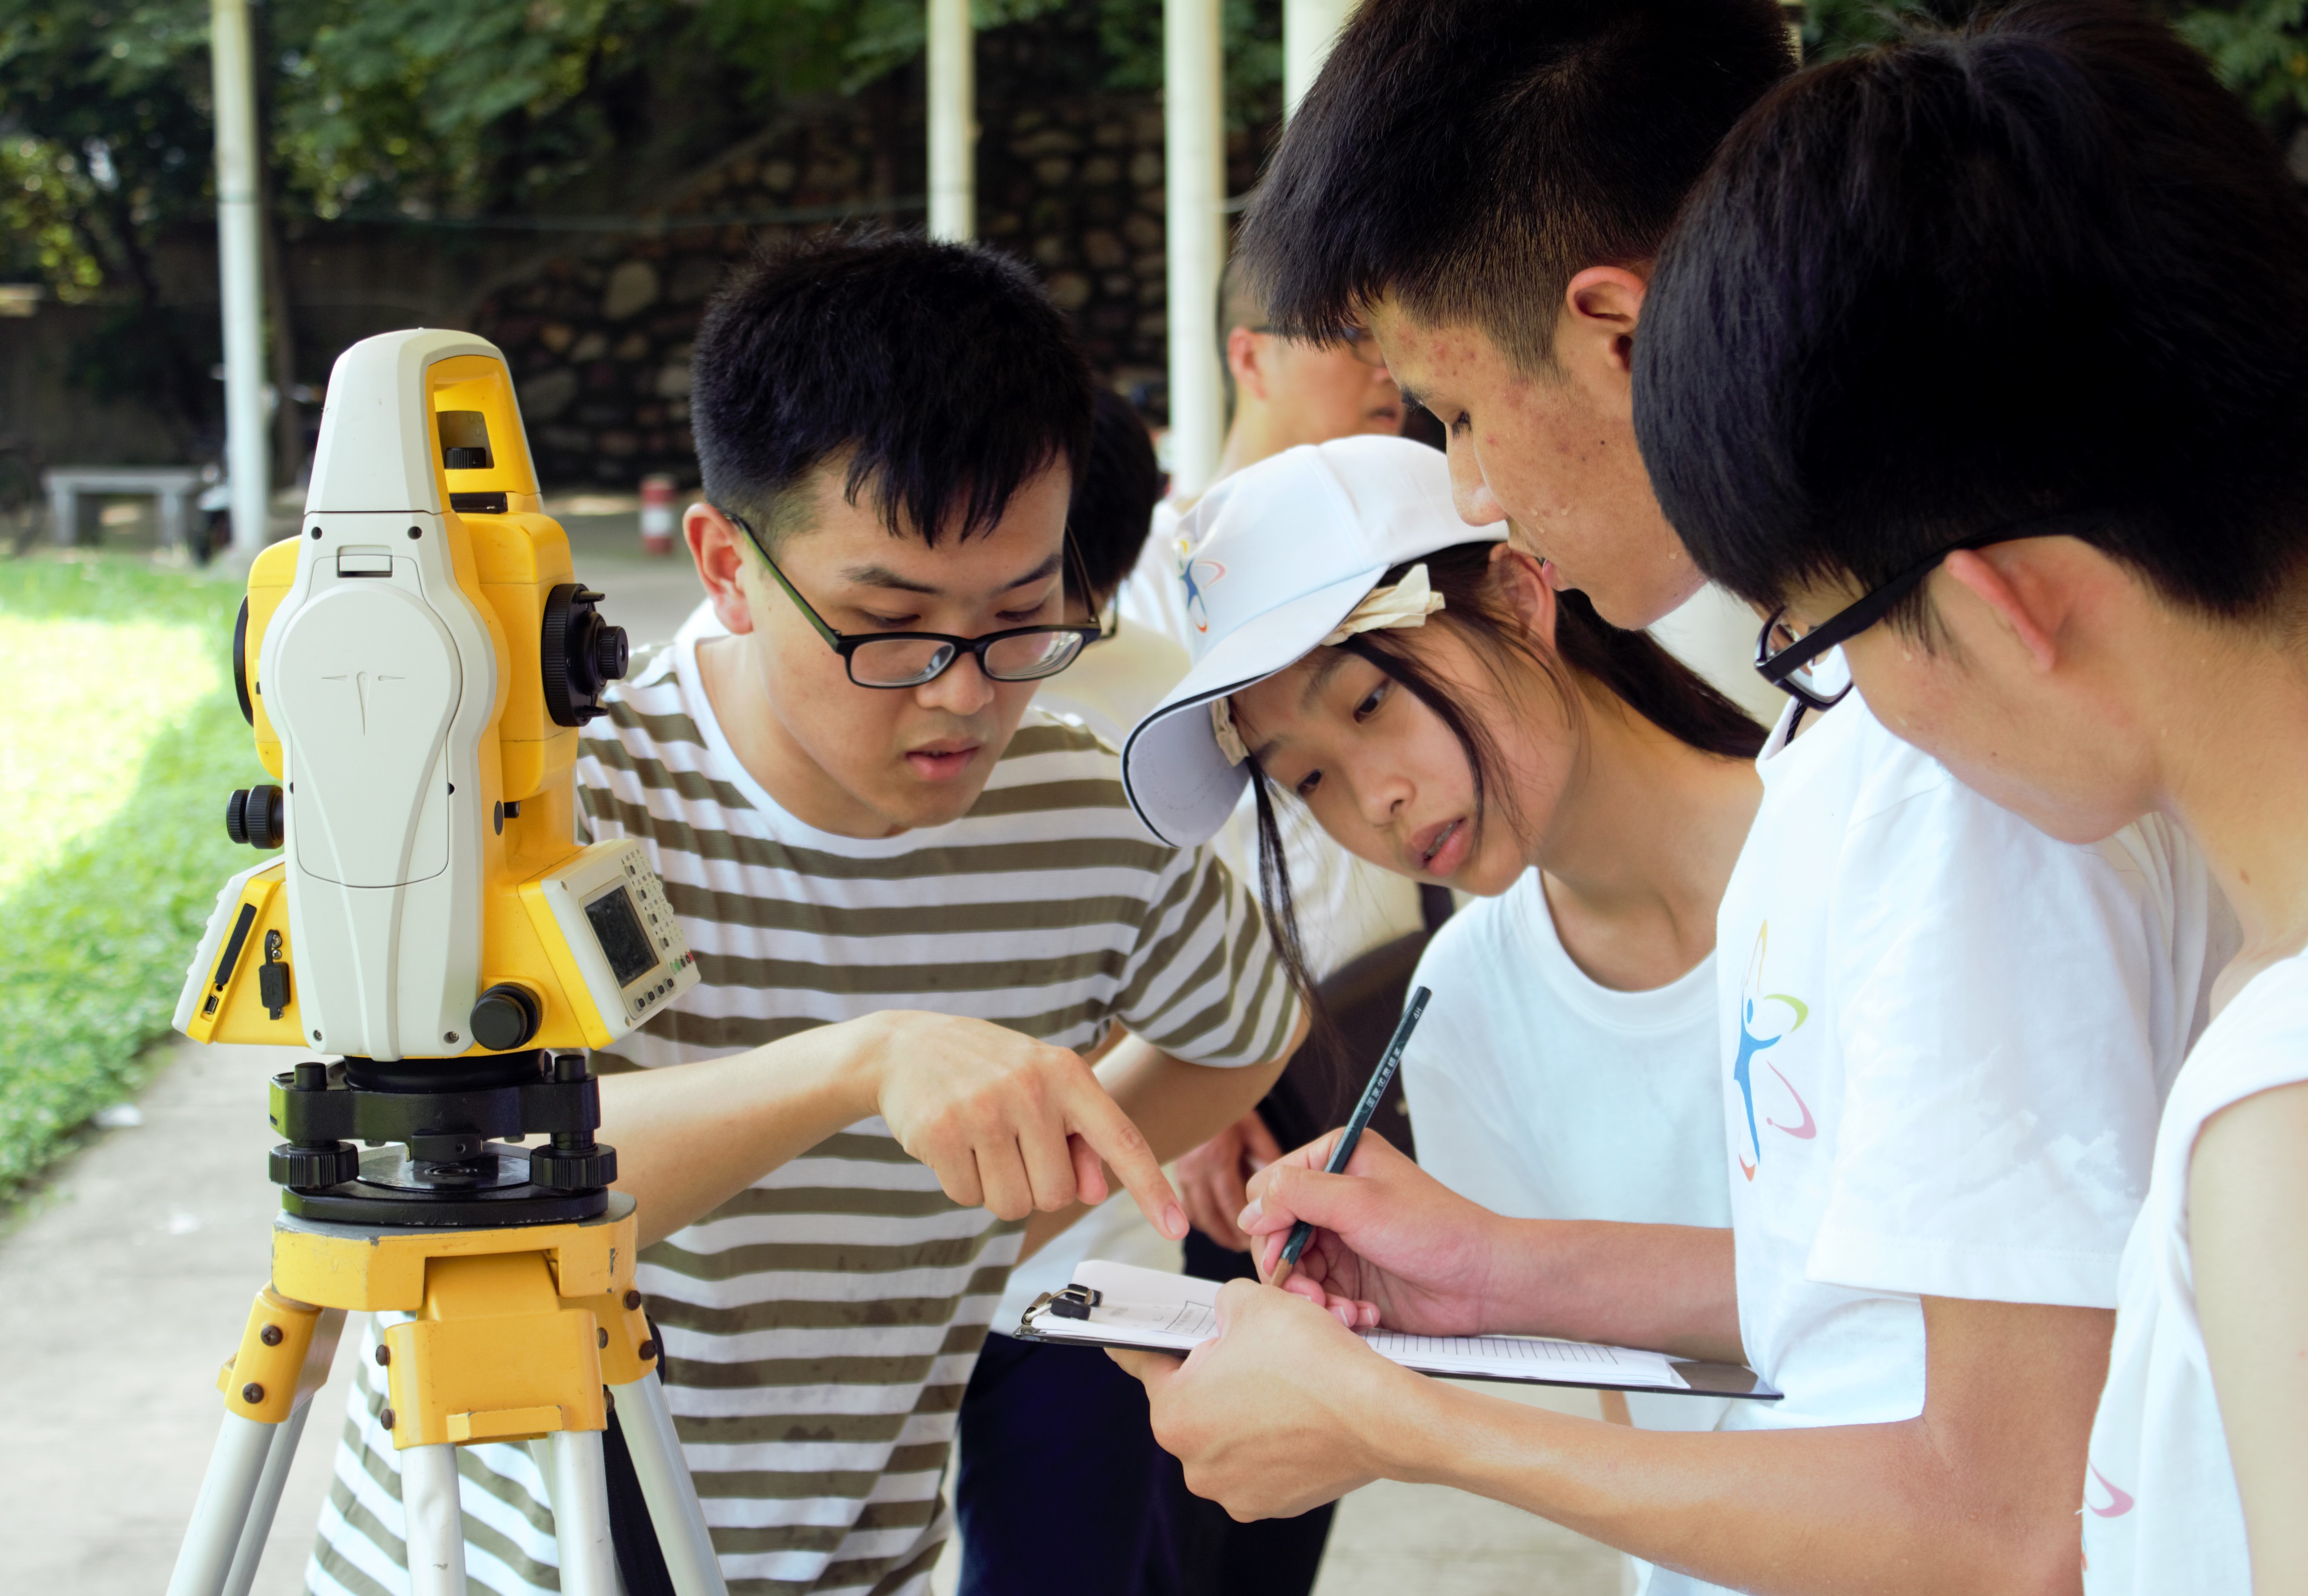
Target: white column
{"type": "Point", "coordinates": [1309, 28]}
{"type": "Point", "coordinates": [240, 264]}
{"type": "Point", "coordinates": [953, 121]}
{"type": "Point", "coordinates": [1193, 119]}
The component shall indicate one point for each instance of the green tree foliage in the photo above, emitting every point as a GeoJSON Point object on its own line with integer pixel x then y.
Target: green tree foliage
{"type": "Point", "coordinates": [442, 108]}
{"type": "Point", "coordinates": [105, 132]}
{"type": "Point", "coordinates": [430, 108]}
{"type": "Point", "coordinates": [2258, 47]}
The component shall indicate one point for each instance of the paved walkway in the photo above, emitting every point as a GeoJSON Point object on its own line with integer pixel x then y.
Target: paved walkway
{"type": "Point", "coordinates": [126, 1283]}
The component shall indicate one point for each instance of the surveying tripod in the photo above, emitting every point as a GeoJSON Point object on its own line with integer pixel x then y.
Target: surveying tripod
{"type": "Point", "coordinates": [518, 1266]}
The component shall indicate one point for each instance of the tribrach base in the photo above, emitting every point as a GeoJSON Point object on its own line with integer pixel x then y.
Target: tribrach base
{"type": "Point", "coordinates": [428, 1124]}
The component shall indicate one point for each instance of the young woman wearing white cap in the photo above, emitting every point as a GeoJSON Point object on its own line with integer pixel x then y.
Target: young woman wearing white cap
{"type": "Point", "coordinates": [1429, 697]}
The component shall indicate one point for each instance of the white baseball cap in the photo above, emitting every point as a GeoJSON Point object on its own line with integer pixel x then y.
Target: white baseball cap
{"type": "Point", "coordinates": [1279, 554]}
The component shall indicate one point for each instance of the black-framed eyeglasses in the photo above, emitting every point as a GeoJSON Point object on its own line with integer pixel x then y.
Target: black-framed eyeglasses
{"type": "Point", "coordinates": [1781, 656]}
{"type": "Point", "coordinates": [897, 660]}
{"type": "Point", "coordinates": [1360, 343]}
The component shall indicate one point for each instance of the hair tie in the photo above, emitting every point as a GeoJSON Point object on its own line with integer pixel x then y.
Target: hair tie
{"type": "Point", "coordinates": [1407, 603]}
{"type": "Point", "coordinates": [1230, 740]}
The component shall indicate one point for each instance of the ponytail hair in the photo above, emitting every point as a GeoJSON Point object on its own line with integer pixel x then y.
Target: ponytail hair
{"type": "Point", "coordinates": [1628, 666]}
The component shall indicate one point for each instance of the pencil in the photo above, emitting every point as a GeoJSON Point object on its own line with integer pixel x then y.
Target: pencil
{"type": "Point", "coordinates": [1389, 1062]}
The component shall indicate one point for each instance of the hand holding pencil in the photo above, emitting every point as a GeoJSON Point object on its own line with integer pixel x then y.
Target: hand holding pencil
{"type": "Point", "coordinates": [1392, 1244]}
{"type": "Point", "coordinates": [1381, 1079]}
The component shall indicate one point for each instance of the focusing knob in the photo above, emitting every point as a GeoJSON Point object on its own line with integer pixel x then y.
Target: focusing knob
{"type": "Point", "coordinates": [505, 1017]}
{"type": "Point", "coordinates": [256, 816]}
{"type": "Point", "coordinates": [311, 1168]}
{"type": "Point", "coordinates": [572, 1169]}
{"type": "Point", "coordinates": [580, 654]}
{"type": "Point", "coordinates": [610, 655]}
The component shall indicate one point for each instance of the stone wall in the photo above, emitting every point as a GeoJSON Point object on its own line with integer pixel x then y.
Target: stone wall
{"type": "Point", "coordinates": [599, 339]}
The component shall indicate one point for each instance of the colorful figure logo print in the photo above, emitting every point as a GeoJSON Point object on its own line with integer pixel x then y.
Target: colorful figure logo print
{"type": "Point", "coordinates": [1765, 1020]}
{"type": "Point", "coordinates": [1197, 575]}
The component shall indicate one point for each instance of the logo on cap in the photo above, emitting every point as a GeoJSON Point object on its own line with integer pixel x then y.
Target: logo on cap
{"type": "Point", "coordinates": [1199, 575]}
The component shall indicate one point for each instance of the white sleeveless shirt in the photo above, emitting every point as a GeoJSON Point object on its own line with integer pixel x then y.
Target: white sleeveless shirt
{"type": "Point", "coordinates": [2161, 1514]}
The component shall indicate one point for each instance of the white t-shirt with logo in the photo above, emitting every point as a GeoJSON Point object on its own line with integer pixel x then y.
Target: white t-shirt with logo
{"type": "Point", "coordinates": [2161, 1511]}
{"type": "Point", "coordinates": [1945, 1039]}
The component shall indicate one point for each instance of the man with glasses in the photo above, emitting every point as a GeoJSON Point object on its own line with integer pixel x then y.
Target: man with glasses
{"type": "Point", "coordinates": [916, 902]}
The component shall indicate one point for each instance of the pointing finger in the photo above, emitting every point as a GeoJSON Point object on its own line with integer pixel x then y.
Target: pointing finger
{"type": "Point", "coordinates": [1099, 1121]}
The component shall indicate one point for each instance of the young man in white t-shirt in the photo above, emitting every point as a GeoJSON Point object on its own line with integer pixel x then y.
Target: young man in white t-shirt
{"type": "Point", "coordinates": [1951, 1029]}
{"type": "Point", "coordinates": [2103, 623]}
{"type": "Point", "coordinates": [915, 904]}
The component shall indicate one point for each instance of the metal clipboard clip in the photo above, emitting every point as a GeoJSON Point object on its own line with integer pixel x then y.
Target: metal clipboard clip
{"type": "Point", "coordinates": [1075, 1302]}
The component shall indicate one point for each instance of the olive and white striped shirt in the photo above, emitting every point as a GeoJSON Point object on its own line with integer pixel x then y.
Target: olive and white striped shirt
{"type": "Point", "coordinates": [820, 1325]}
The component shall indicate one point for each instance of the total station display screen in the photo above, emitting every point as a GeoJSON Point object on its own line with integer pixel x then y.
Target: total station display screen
{"type": "Point", "coordinates": [622, 938]}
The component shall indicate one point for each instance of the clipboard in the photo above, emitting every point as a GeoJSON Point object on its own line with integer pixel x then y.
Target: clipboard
{"type": "Point", "coordinates": [1116, 1305]}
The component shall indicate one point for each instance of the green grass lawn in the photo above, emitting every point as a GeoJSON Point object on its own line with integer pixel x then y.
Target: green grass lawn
{"type": "Point", "coordinates": [119, 741]}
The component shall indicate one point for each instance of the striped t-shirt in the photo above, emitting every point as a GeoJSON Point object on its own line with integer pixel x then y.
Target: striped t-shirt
{"type": "Point", "coordinates": [820, 1326]}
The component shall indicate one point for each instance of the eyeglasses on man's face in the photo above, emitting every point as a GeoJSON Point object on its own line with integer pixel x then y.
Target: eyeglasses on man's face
{"type": "Point", "coordinates": [896, 659]}
{"type": "Point", "coordinates": [1783, 655]}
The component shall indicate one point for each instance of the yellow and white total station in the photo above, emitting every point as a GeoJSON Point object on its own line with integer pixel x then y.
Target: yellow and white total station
{"type": "Point", "coordinates": [416, 663]}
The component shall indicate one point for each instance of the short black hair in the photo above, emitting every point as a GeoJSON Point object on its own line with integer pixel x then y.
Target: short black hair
{"type": "Point", "coordinates": [941, 373]}
{"type": "Point", "coordinates": [2041, 266]}
{"type": "Point", "coordinates": [1114, 495]}
{"type": "Point", "coordinates": [1470, 157]}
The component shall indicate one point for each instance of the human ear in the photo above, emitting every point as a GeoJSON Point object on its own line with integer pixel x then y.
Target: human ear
{"type": "Point", "coordinates": [1242, 361]}
{"type": "Point", "coordinates": [2028, 606]}
{"type": "Point", "coordinates": [1529, 596]}
{"type": "Point", "coordinates": [1600, 307]}
{"type": "Point", "coordinates": [718, 548]}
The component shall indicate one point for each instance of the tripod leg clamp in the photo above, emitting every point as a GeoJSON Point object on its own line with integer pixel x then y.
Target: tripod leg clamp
{"type": "Point", "coordinates": [259, 1382]}
{"type": "Point", "coordinates": [627, 1351]}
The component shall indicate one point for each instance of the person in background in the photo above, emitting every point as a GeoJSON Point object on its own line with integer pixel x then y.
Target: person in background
{"type": "Point", "coordinates": [1125, 672]}
{"type": "Point", "coordinates": [1058, 1466]}
{"type": "Point", "coordinates": [1280, 393]}
{"type": "Point", "coordinates": [2104, 623]}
